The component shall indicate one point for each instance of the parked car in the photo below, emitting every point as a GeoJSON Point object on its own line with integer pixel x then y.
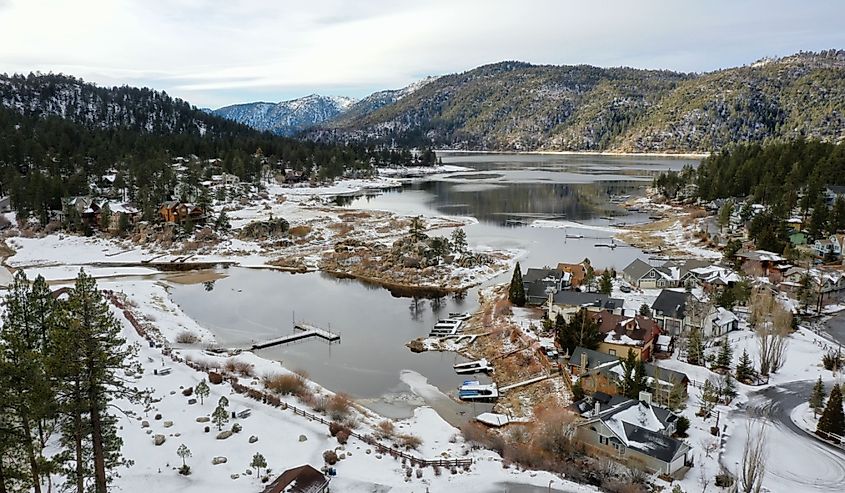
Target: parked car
{"type": "Point", "coordinates": [625, 288]}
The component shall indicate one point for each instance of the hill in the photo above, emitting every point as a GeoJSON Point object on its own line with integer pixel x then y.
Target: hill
{"type": "Point", "coordinates": [286, 117]}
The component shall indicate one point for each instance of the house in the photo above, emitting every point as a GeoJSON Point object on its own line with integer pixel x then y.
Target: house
{"type": "Point", "coordinates": [625, 333]}
{"type": "Point", "coordinates": [302, 479]}
{"type": "Point", "coordinates": [118, 210]}
{"type": "Point", "coordinates": [833, 192]}
{"type": "Point", "coordinates": [601, 372]}
{"type": "Point", "coordinates": [714, 277]}
{"type": "Point", "coordinates": [538, 283]}
{"type": "Point", "coordinates": [635, 432]}
{"type": "Point", "coordinates": [566, 303]}
{"type": "Point", "coordinates": [671, 308]}
{"type": "Point", "coordinates": [760, 262]}
{"type": "Point", "coordinates": [180, 212]}
{"type": "Point", "coordinates": [720, 321]}
{"type": "Point", "coordinates": [669, 275]}
{"type": "Point", "coordinates": [577, 273]}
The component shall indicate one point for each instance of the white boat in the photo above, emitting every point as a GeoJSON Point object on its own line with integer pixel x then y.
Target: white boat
{"type": "Point", "coordinates": [574, 236]}
{"type": "Point", "coordinates": [473, 390]}
{"type": "Point", "coordinates": [460, 315]}
{"type": "Point", "coordinates": [478, 366]}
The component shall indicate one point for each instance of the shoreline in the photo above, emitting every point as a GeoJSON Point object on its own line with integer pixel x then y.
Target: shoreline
{"type": "Point", "coordinates": [688, 155]}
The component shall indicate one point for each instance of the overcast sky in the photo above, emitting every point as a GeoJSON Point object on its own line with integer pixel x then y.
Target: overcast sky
{"type": "Point", "coordinates": [218, 52]}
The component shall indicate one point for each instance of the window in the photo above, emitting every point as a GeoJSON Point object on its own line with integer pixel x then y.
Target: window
{"type": "Point", "coordinates": [604, 440]}
{"type": "Point", "coordinates": [611, 352]}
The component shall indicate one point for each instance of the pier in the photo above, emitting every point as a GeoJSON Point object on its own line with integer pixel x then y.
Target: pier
{"type": "Point", "coordinates": [526, 382]}
{"type": "Point", "coordinates": [301, 331]}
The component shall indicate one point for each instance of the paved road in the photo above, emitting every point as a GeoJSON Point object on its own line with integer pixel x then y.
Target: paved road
{"type": "Point", "coordinates": [797, 461]}
{"type": "Point", "coordinates": [835, 328]}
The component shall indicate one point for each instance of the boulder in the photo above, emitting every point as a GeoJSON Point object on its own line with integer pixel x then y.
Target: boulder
{"type": "Point", "coordinates": [203, 419]}
{"type": "Point", "coordinates": [234, 476]}
{"type": "Point", "coordinates": [219, 460]}
{"type": "Point", "coordinates": [253, 439]}
{"type": "Point", "coordinates": [192, 402]}
{"type": "Point", "coordinates": [224, 434]}
{"type": "Point", "coordinates": [159, 440]}
{"type": "Point", "coordinates": [145, 424]}
{"type": "Point", "coordinates": [303, 438]}
{"type": "Point", "coordinates": [157, 417]}
{"type": "Point", "coordinates": [167, 424]}
{"type": "Point", "coordinates": [188, 392]}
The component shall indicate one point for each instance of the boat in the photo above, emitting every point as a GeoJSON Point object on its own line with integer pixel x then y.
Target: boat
{"type": "Point", "coordinates": [460, 315]}
{"type": "Point", "coordinates": [574, 236]}
{"type": "Point", "coordinates": [478, 366]}
{"type": "Point", "coordinates": [606, 245]}
{"type": "Point", "coordinates": [473, 390]}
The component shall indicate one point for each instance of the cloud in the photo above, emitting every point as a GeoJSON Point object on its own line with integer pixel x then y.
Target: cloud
{"type": "Point", "coordinates": [214, 52]}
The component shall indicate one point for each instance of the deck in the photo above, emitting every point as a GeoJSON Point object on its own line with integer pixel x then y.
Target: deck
{"type": "Point", "coordinates": [301, 331]}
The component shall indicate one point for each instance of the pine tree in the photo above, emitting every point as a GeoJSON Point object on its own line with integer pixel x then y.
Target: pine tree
{"type": "Point", "coordinates": [695, 348]}
{"type": "Point", "coordinates": [582, 330]}
{"type": "Point", "coordinates": [123, 224]}
{"type": "Point", "coordinates": [745, 368]}
{"type": "Point", "coordinates": [459, 241]}
{"type": "Point", "coordinates": [258, 461]}
{"type": "Point", "coordinates": [833, 419]}
{"type": "Point", "coordinates": [416, 228]}
{"type": "Point", "coordinates": [222, 222]}
{"type": "Point", "coordinates": [709, 397]}
{"type": "Point", "coordinates": [202, 391]}
{"type": "Point", "coordinates": [220, 416]}
{"type": "Point", "coordinates": [634, 378]}
{"type": "Point", "coordinates": [105, 218]}
{"type": "Point", "coordinates": [728, 388]}
{"type": "Point", "coordinates": [184, 453]}
{"type": "Point", "coordinates": [516, 293]}
{"type": "Point", "coordinates": [606, 282]}
{"type": "Point", "coordinates": [645, 310]}
{"type": "Point", "coordinates": [723, 360]}
{"type": "Point", "coordinates": [94, 358]}
{"type": "Point", "coordinates": [817, 397]}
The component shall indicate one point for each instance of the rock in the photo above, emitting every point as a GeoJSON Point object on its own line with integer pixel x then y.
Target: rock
{"type": "Point", "coordinates": [188, 392]}
{"type": "Point", "coordinates": [179, 434]}
{"type": "Point", "coordinates": [248, 472]}
{"type": "Point", "coordinates": [207, 429]}
{"type": "Point", "coordinates": [416, 346]}
{"type": "Point", "coordinates": [236, 428]}
{"type": "Point", "coordinates": [215, 378]}
{"type": "Point", "coordinates": [219, 460]}
{"type": "Point", "coordinates": [378, 456]}
{"type": "Point", "coordinates": [341, 456]}
{"type": "Point", "coordinates": [224, 434]}
{"type": "Point", "coordinates": [158, 440]}
{"type": "Point", "coordinates": [149, 432]}
{"type": "Point", "coordinates": [167, 424]}
{"type": "Point", "coordinates": [172, 392]}
{"type": "Point", "coordinates": [369, 451]}
{"type": "Point", "coordinates": [192, 402]}
{"type": "Point", "coordinates": [234, 476]}
{"type": "Point", "coordinates": [303, 438]}
{"type": "Point", "coordinates": [203, 419]}
{"type": "Point", "coordinates": [157, 417]}
{"type": "Point", "coordinates": [145, 424]}
{"type": "Point", "coordinates": [253, 439]}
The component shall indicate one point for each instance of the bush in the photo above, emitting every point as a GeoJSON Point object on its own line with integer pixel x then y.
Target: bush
{"type": "Point", "coordinates": [187, 337]}
{"type": "Point", "coordinates": [215, 378]}
{"type": "Point", "coordinates": [832, 361]}
{"type": "Point", "coordinates": [299, 231]}
{"type": "Point", "coordinates": [334, 428]}
{"type": "Point", "coordinates": [330, 457]}
{"type": "Point", "coordinates": [185, 470]}
{"type": "Point", "coordinates": [236, 428]}
{"type": "Point", "coordinates": [343, 436]}
{"type": "Point", "coordinates": [410, 442]}
{"type": "Point", "coordinates": [386, 429]}
{"type": "Point", "coordinates": [339, 406]}
{"type": "Point", "coordinates": [286, 384]}
{"type": "Point", "coordinates": [242, 368]}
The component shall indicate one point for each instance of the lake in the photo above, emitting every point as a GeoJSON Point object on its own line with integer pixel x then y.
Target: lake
{"type": "Point", "coordinates": [505, 193]}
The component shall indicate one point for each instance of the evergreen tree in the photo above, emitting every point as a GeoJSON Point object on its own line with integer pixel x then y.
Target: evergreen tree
{"type": "Point", "coordinates": [123, 224]}
{"type": "Point", "coordinates": [222, 222]}
{"type": "Point", "coordinates": [645, 310]}
{"type": "Point", "coordinates": [723, 360]}
{"type": "Point", "coordinates": [516, 292]}
{"type": "Point", "coordinates": [258, 461]}
{"type": "Point", "coordinates": [105, 218]}
{"type": "Point", "coordinates": [184, 453]}
{"type": "Point", "coordinates": [728, 388]}
{"type": "Point", "coordinates": [92, 358]}
{"type": "Point", "coordinates": [695, 348]}
{"type": "Point", "coordinates": [202, 391]}
{"type": "Point", "coordinates": [745, 368]}
{"type": "Point", "coordinates": [817, 397]}
{"type": "Point", "coordinates": [634, 378]}
{"type": "Point", "coordinates": [606, 282]}
{"type": "Point", "coordinates": [832, 420]}
{"type": "Point", "coordinates": [416, 228]}
{"type": "Point", "coordinates": [459, 241]}
{"type": "Point", "coordinates": [582, 330]}
{"type": "Point", "coordinates": [220, 416]}
{"type": "Point", "coordinates": [709, 397]}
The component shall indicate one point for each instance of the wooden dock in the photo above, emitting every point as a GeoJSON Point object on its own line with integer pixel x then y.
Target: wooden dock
{"type": "Point", "coordinates": [300, 331]}
{"type": "Point", "coordinates": [526, 382]}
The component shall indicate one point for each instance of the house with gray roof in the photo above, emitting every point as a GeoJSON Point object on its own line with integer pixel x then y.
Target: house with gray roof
{"type": "Point", "coordinates": [637, 432]}
{"type": "Point", "coordinates": [669, 275]}
{"type": "Point", "coordinates": [538, 282]}
{"type": "Point", "coordinates": [567, 303]}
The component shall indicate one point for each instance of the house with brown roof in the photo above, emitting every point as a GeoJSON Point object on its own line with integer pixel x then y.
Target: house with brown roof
{"type": "Point", "coordinates": [577, 273]}
{"type": "Point", "coordinates": [623, 333]}
{"type": "Point", "coordinates": [302, 479]}
{"type": "Point", "coordinates": [179, 212]}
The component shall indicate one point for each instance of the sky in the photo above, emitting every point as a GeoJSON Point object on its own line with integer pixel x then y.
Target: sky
{"type": "Point", "coordinates": [218, 52]}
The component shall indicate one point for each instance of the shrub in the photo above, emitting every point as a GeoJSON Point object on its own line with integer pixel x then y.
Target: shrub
{"type": "Point", "coordinates": [330, 457]}
{"type": "Point", "coordinates": [410, 442]}
{"type": "Point", "coordinates": [285, 384]}
{"type": "Point", "coordinates": [339, 406]}
{"type": "Point", "coordinates": [236, 428]}
{"type": "Point", "coordinates": [386, 429]}
{"type": "Point", "coordinates": [343, 436]}
{"type": "Point", "coordinates": [334, 428]}
{"type": "Point", "coordinates": [215, 378]}
{"type": "Point", "coordinates": [300, 231]}
{"type": "Point", "coordinates": [832, 361]}
{"type": "Point", "coordinates": [682, 426]}
{"type": "Point", "coordinates": [187, 337]}
{"type": "Point", "coordinates": [185, 470]}
{"type": "Point", "coordinates": [320, 404]}
{"type": "Point", "coordinates": [242, 368]}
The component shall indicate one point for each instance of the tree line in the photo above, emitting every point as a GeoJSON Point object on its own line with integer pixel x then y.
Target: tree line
{"type": "Point", "coordinates": [63, 363]}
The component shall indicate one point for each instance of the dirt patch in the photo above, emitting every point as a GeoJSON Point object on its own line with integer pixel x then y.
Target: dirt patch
{"type": "Point", "coordinates": [195, 277]}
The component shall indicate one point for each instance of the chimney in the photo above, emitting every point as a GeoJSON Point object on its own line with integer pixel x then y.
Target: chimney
{"type": "Point", "coordinates": [583, 362]}
{"type": "Point", "coordinates": [597, 408]}
{"type": "Point", "coordinates": [645, 397]}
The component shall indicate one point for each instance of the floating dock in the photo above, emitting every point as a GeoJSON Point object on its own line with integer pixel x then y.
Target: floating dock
{"type": "Point", "coordinates": [446, 327]}
{"type": "Point", "coordinates": [301, 331]}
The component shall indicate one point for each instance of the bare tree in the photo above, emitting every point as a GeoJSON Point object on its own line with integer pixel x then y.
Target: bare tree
{"type": "Point", "coordinates": [771, 322]}
{"type": "Point", "coordinates": [753, 466]}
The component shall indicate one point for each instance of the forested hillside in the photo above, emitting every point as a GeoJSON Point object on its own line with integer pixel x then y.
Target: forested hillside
{"type": "Point", "coordinates": [518, 106]}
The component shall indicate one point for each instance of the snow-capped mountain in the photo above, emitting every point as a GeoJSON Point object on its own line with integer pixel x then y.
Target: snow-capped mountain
{"type": "Point", "coordinates": [287, 117]}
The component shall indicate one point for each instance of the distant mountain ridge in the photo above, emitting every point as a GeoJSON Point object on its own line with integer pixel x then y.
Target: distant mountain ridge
{"type": "Point", "coordinates": [286, 117]}
{"type": "Point", "coordinates": [296, 115]}
{"type": "Point", "coordinates": [519, 106]}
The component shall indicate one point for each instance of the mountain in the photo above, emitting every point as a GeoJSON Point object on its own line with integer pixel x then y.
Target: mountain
{"type": "Point", "coordinates": [519, 106]}
{"type": "Point", "coordinates": [286, 117]}
{"type": "Point", "coordinates": [139, 109]}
